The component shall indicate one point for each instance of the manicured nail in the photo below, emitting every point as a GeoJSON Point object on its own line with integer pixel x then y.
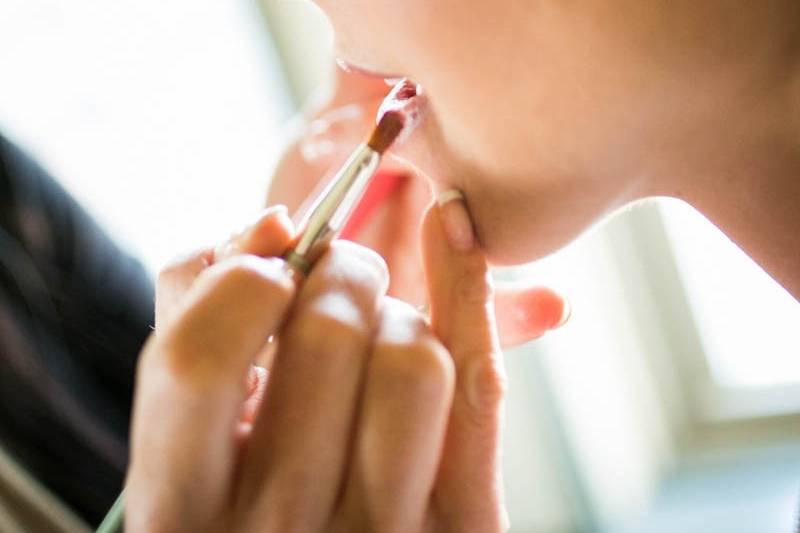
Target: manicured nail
{"type": "Point", "coordinates": [277, 210]}
{"type": "Point", "coordinates": [456, 222]}
{"type": "Point", "coordinates": [233, 244]}
{"type": "Point", "coordinates": [566, 312]}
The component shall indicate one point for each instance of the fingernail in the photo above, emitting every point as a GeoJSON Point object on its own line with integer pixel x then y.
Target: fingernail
{"type": "Point", "coordinates": [456, 222]}
{"type": "Point", "coordinates": [233, 244]}
{"type": "Point", "coordinates": [566, 312]}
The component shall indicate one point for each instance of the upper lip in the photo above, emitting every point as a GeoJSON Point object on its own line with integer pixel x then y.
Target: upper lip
{"type": "Point", "coordinates": [364, 71]}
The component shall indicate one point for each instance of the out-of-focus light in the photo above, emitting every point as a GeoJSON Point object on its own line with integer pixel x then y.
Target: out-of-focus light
{"type": "Point", "coordinates": [162, 118]}
{"type": "Point", "coordinates": [749, 324]}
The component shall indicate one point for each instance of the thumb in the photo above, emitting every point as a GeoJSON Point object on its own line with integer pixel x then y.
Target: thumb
{"type": "Point", "coordinates": [460, 292]}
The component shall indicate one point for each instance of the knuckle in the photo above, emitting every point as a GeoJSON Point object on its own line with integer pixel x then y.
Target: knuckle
{"type": "Point", "coordinates": [358, 266]}
{"type": "Point", "coordinates": [193, 347]}
{"type": "Point", "coordinates": [422, 367]}
{"type": "Point", "coordinates": [487, 383]}
{"type": "Point", "coordinates": [475, 286]}
{"type": "Point", "coordinates": [256, 277]}
{"type": "Point", "coordinates": [333, 325]}
{"type": "Point", "coordinates": [178, 357]}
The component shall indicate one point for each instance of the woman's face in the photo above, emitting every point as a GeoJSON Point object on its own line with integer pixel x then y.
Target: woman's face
{"type": "Point", "coordinates": [547, 114]}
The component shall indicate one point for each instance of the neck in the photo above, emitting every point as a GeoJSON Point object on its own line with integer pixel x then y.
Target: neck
{"type": "Point", "coordinates": [761, 214]}
{"type": "Point", "coordinates": [753, 193]}
{"type": "Point", "coordinates": [743, 170]}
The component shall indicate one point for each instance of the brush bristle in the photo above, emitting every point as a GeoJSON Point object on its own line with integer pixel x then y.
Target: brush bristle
{"type": "Point", "coordinates": [387, 131]}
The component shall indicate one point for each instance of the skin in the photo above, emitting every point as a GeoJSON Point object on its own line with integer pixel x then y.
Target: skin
{"type": "Point", "coordinates": [374, 417]}
{"type": "Point", "coordinates": [546, 116]}
{"type": "Point", "coordinates": [566, 111]}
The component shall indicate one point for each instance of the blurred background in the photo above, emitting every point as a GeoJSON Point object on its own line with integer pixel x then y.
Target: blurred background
{"type": "Point", "coordinates": [669, 403]}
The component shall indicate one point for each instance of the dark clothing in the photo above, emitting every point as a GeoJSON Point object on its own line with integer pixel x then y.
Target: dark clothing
{"type": "Point", "coordinates": [74, 313]}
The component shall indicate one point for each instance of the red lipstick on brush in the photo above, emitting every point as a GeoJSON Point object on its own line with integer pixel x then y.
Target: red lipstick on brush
{"type": "Point", "coordinates": [351, 198]}
{"type": "Point", "coordinates": [344, 206]}
{"type": "Point", "coordinates": [405, 98]}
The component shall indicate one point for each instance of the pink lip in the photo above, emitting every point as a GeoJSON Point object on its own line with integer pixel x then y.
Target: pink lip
{"type": "Point", "coordinates": [406, 98]}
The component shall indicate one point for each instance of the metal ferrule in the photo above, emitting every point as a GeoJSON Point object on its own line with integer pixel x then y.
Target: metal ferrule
{"type": "Point", "coordinates": [325, 219]}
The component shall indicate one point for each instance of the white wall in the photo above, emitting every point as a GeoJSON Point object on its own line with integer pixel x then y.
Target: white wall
{"type": "Point", "coordinates": [163, 118]}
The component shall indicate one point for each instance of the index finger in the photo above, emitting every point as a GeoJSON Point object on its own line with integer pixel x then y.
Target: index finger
{"type": "Point", "coordinates": [469, 488]}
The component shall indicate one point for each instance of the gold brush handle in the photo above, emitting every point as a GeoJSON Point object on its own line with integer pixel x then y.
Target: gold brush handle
{"type": "Point", "coordinates": [326, 218]}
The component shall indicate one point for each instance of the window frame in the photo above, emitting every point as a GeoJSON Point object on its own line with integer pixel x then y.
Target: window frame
{"type": "Point", "coordinates": [729, 416]}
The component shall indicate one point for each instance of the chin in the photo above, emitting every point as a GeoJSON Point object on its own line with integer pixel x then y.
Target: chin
{"type": "Point", "coordinates": [511, 237]}
{"type": "Point", "coordinates": [515, 252]}
{"type": "Point", "coordinates": [506, 253]}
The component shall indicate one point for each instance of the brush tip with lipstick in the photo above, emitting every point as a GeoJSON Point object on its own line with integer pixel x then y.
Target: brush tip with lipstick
{"type": "Point", "coordinates": [327, 216]}
{"type": "Point", "coordinates": [387, 131]}
{"type": "Point", "coordinates": [398, 114]}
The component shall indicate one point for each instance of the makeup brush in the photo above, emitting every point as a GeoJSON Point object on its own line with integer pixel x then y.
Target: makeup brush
{"type": "Point", "coordinates": [323, 223]}
{"type": "Point", "coordinates": [327, 216]}
{"type": "Point", "coordinates": [329, 213]}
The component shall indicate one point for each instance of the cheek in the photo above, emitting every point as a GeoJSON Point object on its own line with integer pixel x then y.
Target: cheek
{"type": "Point", "coordinates": [471, 76]}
